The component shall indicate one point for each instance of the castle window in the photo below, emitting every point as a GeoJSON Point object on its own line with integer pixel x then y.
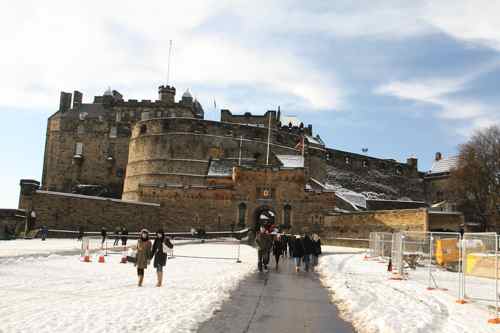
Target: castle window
{"type": "Point", "coordinates": [328, 156]}
{"type": "Point", "coordinates": [118, 116]}
{"type": "Point", "coordinates": [145, 115]}
{"type": "Point", "coordinates": [132, 114]}
{"type": "Point", "coordinates": [158, 114]}
{"type": "Point", "coordinates": [79, 148]}
{"type": "Point", "coordinates": [80, 130]}
{"type": "Point", "coordinates": [399, 171]}
{"type": "Point", "coordinates": [242, 212]}
{"type": "Point", "coordinates": [113, 132]}
{"type": "Point", "coordinates": [347, 160]}
{"type": "Point", "coordinates": [119, 172]}
{"type": "Point", "coordinates": [287, 214]}
{"type": "Point", "coordinates": [144, 129]}
{"type": "Point", "coordinates": [365, 164]}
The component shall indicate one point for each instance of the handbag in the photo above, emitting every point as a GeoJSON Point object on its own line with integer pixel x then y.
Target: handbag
{"type": "Point", "coordinates": [132, 256]}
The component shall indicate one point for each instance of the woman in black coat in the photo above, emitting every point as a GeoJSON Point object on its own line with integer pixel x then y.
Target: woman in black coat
{"type": "Point", "coordinates": [159, 252]}
{"type": "Point", "coordinates": [277, 248]}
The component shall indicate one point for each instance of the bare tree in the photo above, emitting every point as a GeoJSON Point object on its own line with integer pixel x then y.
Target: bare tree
{"type": "Point", "coordinates": [475, 183]}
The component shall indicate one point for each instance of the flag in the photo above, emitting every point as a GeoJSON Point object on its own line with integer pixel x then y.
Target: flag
{"type": "Point", "coordinates": [300, 144]}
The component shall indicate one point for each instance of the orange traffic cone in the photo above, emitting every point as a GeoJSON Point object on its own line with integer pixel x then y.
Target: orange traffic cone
{"type": "Point", "coordinates": [86, 257]}
{"type": "Point", "coordinates": [101, 258]}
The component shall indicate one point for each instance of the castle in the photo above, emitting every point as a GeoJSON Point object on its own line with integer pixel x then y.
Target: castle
{"type": "Point", "coordinates": [161, 163]}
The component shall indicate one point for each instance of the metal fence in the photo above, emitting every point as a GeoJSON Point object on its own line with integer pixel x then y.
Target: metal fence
{"type": "Point", "coordinates": [465, 267]}
{"type": "Point", "coordinates": [380, 245]}
{"type": "Point", "coordinates": [481, 270]}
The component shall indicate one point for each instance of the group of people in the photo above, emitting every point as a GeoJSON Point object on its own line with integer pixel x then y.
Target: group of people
{"type": "Point", "coordinates": [156, 251]}
{"type": "Point", "coordinates": [121, 233]}
{"type": "Point", "coordinates": [303, 249]}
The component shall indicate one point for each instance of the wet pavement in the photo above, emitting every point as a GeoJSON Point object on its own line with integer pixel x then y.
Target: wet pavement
{"type": "Point", "coordinates": [278, 301]}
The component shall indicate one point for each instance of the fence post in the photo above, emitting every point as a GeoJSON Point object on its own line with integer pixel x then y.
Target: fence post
{"type": "Point", "coordinates": [496, 319]}
{"type": "Point", "coordinates": [430, 262]}
{"type": "Point", "coordinates": [239, 246]}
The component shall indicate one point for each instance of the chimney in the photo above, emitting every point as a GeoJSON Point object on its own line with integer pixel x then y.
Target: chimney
{"type": "Point", "coordinates": [77, 99]}
{"type": "Point", "coordinates": [166, 94]}
{"type": "Point", "coordinates": [64, 101]}
{"type": "Point", "coordinates": [438, 157]}
{"type": "Point", "coordinates": [412, 162]}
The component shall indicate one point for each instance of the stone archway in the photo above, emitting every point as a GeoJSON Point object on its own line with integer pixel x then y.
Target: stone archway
{"type": "Point", "coordinates": [264, 215]}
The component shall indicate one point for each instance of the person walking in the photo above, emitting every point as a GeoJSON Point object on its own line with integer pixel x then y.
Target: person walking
{"type": "Point", "coordinates": [308, 251]}
{"type": "Point", "coordinates": [277, 248]}
{"type": "Point", "coordinates": [297, 251]}
{"type": "Point", "coordinates": [124, 236]}
{"type": "Point", "coordinates": [143, 256]}
{"type": "Point", "coordinates": [264, 244]}
{"type": "Point", "coordinates": [81, 233]}
{"type": "Point", "coordinates": [117, 236]}
{"type": "Point", "coordinates": [104, 232]}
{"type": "Point", "coordinates": [316, 250]}
{"type": "Point", "coordinates": [159, 252]}
{"type": "Point", "coordinates": [45, 232]}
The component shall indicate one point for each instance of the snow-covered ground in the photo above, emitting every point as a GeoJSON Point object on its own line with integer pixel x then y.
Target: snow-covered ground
{"type": "Point", "coordinates": [374, 303]}
{"type": "Point", "coordinates": [26, 247]}
{"type": "Point", "coordinates": [56, 293]}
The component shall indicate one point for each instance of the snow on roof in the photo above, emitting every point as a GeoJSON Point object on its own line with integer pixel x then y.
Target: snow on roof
{"type": "Point", "coordinates": [220, 168]}
{"type": "Point", "coordinates": [353, 198]}
{"type": "Point", "coordinates": [285, 120]}
{"type": "Point", "coordinates": [444, 165]}
{"type": "Point", "coordinates": [291, 161]}
{"type": "Point", "coordinates": [317, 141]}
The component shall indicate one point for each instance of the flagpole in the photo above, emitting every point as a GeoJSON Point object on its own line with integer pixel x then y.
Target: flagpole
{"type": "Point", "coordinates": [239, 156]}
{"type": "Point", "coordinates": [168, 69]}
{"type": "Point", "coordinates": [268, 139]}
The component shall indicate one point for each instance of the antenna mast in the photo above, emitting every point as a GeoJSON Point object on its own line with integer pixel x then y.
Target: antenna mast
{"type": "Point", "coordinates": [268, 139]}
{"type": "Point", "coordinates": [169, 55]}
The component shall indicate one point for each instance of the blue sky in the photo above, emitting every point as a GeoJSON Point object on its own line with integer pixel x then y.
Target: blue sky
{"type": "Point", "coordinates": [401, 78]}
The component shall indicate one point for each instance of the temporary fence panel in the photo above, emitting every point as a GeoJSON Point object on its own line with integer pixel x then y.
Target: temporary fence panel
{"type": "Point", "coordinates": [397, 254]}
{"type": "Point", "coordinates": [481, 270]}
{"type": "Point", "coordinates": [380, 245]}
{"type": "Point", "coordinates": [92, 244]}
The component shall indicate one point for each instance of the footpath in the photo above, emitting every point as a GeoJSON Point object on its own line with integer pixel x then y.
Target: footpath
{"type": "Point", "coordinates": [278, 301]}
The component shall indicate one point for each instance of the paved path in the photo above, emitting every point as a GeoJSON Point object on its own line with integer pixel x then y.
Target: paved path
{"type": "Point", "coordinates": [283, 301]}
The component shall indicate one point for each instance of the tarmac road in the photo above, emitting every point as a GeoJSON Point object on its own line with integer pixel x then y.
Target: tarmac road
{"type": "Point", "coordinates": [278, 301]}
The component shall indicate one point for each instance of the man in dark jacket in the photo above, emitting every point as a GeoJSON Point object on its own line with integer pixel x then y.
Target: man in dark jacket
{"type": "Point", "coordinates": [317, 250]}
{"type": "Point", "coordinates": [308, 251]}
{"type": "Point", "coordinates": [124, 236]}
{"type": "Point", "coordinates": [297, 251]}
{"type": "Point", "coordinates": [277, 248]}
{"type": "Point", "coordinates": [264, 243]}
{"type": "Point", "coordinates": [103, 235]}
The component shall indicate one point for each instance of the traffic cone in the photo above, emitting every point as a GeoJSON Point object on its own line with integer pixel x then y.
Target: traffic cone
{"type": "Point", "coordinates": [86, 257]}
{"type": "Point", "coordinates": [101, 258]}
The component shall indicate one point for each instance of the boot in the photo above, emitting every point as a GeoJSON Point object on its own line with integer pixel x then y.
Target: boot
{"type": "Point", "coordinates": [141, 278]}
{"type": "Point", "coordinates": [160, 278]}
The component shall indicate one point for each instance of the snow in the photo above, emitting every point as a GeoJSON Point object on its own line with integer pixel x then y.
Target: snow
{"type": "Point", "coordinates": [58, 293]}
{"type": "Point", "coordinates": [291, 161]}
{"type": "Point", "coordinates": [25, 247]}
{"type": "Point", "coordinates": [374, 303]}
